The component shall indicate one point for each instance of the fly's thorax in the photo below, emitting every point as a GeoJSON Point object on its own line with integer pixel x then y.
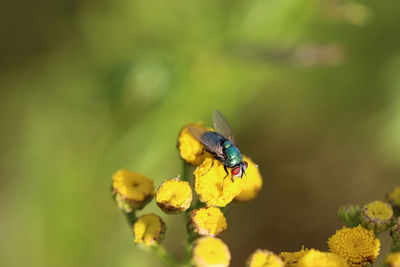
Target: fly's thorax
{"type": "Point", "coordinates": [232, 153]}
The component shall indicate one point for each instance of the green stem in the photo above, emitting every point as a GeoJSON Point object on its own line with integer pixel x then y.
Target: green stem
{"type": "Point", "coordinates": [185, 171]}
{"type": "Point", "coordinates": [163, 255]}
{"type": "Point", "coordinates": [130, 217]}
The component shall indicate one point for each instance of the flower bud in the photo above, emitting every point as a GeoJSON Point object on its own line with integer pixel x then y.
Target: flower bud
{"type": "Point", "coordinates": [395, 234]}
{"type": "Point", "coordinates": [264, 258]}
{"type": "Point", "coordinates": [393, 197]}
{"type": "Point", "coordinates": [210, 252]}
{"type": "Point", "coordinates": [321, 259]}
{"type": "Point", "coordinates": [292, 258]}
{"type": "Point", "coordinates": [350, 215]}
{"type": "Point", "coordinates": [191, 149]}
{"type": "Point", "coordinates": [377, 216]}
{"type": "Point", "coordinates": [149, 230]}
{"type": "Point", "coordinates": [174, 196]}
{"type": "Point", "coordinates": [393, 260]}
{"type": "Point", "coordinates": [208, 221]}
{"type": "Point", "coordinates": [131, 190]}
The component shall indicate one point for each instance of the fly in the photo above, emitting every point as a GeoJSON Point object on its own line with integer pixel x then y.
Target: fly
{"type": "Point", "coordinates": [222, 145]}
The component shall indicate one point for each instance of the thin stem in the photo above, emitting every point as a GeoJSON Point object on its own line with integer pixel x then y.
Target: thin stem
{"type": "Point", "coordinates": [185, 171]}
{"type": "Point", "coordinates": [163, 255]}
{"type": "Point", "coordinates": [130, 217]}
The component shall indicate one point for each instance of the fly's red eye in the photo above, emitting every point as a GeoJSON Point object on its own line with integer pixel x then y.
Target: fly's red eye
{"type": "Point", "coordinates": [245, 164]}
{"type": "Point", "coordinates": [235, 171]}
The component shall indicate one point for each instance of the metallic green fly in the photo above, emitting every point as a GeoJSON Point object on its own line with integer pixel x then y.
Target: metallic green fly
{"type": "Point", "coordinates": [222, 145]}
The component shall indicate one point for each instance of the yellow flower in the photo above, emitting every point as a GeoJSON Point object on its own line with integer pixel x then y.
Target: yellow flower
{"type": "Point", "coordinates": [208, 221]}
{"type": "Point", "coordinates": [210, 252]}
{"type": "Point", "coordinates": [321, 259]}
{"type": "Point", "coordinates": [190, 149]}
{"type": "Point", "coordinates": [393, 197]}
{"type": "Point", "coordinates": [213, 186]}
{"type": "Point", "coordinates": [264, 258]}
{"type": "Point", "coordinates": [393, 260]}
{"type": "Point", "coordinates": [149, 230]}
{"type": "Point", "coordinates": [358, 246]}
{"type": "Point", "coordinates": [131, 190]}
{"type": "Point", "coordinates": [377, 216]}
{"type": "Point", "coordinates": [174, 196]}
{"type": "Point", "coordinates": [291, 258]}
{"type": "Point", "coordinates": [252, 182]}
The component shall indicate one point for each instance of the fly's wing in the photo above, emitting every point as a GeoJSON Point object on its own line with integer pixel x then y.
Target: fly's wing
{"type": "Point", "coordinates": [208, 139]}
{"type": "Point", "coordinates": [222, 127]}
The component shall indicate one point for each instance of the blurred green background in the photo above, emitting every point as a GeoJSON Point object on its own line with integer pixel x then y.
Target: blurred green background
{"type": "Point", "coordinates": [311, 89]}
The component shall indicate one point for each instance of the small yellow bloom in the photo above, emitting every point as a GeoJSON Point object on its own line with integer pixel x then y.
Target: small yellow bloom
{"type": "Point", "coordinates": [190, 149]}
{"type": "Point", "coordinates": [174, 196]}
{"type": "Point", "coordinates": [321, 259]}
{"type": "Point", "coordinates": [393, 197]}
{"type": "Point", "coordinates": [208, 221]}
{"type": "Point", "coordinates": [131, 190]}
{"type": "Point", "coordinates": [291, 258]}
{"type": "Point", "coordinates": [377, 216]}
{"type": "Point", "coordinates": [393, 260]}
{"type": "Point", "coordinates": [213, 186]}
{"type": "Point", "coordinates": [149, 230]}
{"type": "Point", "coordinates": [358, 246]}
{"type": "Point", "coordinates": [264, 258]}
{"type": "Point", "coordinates": [252, 182]}
{"type": "Point", "coordinates": [210, 252]}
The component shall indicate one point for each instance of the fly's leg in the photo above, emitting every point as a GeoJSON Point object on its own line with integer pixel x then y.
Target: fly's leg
{"type": "Point", "coordinates": [212, 165]}
{"type": "Point", "coordinates": [223, 179]}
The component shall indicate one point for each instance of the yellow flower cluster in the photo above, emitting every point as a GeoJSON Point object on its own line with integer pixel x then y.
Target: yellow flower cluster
{"type": "Point", "coordinates": [358, 245]}
{"type": "Point", "coordinates": [353, 246]}
{"type": "Point", "coordinates": [214, 188]}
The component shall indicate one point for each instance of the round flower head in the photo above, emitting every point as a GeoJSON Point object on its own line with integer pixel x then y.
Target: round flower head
{"type": "Point", "coordinates": [190, 149]}
{"type": "Point", "coordinates": [174, 196]}
{"type": "Point", "coordinates": [291, 258]}
{"type": "Point", "coordinates": [208, 221]}
{"type": "Point", "coordinates": [264, 258]}
{"type": "Point", "coordinates": [131, 190]}
{"type": "Point", "coordinates": [321, 259]}
{"type": "Point", "coordinates": [377, 216]}
{"type": "Point", "coordinates": [210, 252]}
{"type": "Point", "coordinates": [252, 182]}
{"type": "Point", "coordinates": [213, 186]}
{"type": "Point", "coordinates": [358, 246]}
{"type": "Point", "coordinates": [395, 232]}
{"type": "Point", "coordinates": [393, 197]}
{"type": "Point", "coordinates": [350, 215]}
{"type": "Point", "coordinates": [149, 230]}
{"type": "Point", "coordinates": [393, 260]}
